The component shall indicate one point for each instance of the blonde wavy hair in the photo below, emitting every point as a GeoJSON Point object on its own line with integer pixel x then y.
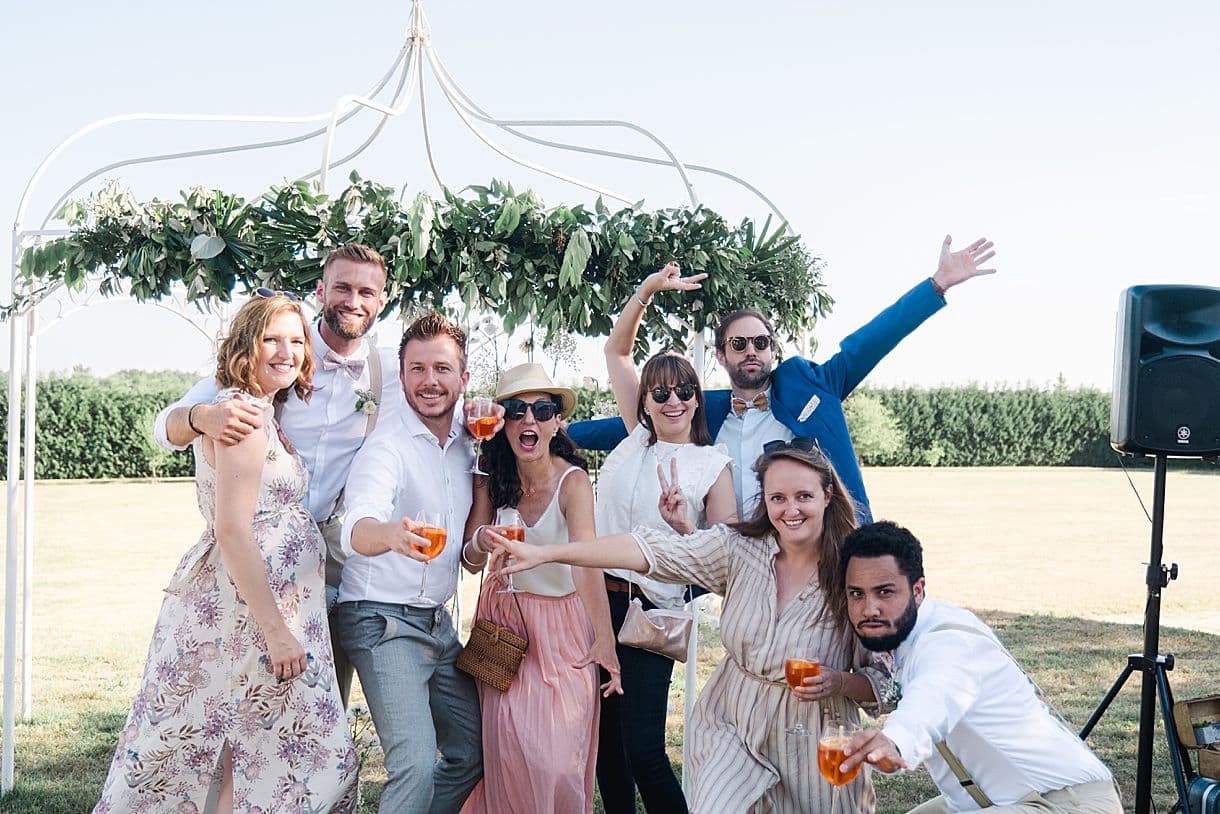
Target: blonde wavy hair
{"type": "Point", "coordinates": [237, 357]}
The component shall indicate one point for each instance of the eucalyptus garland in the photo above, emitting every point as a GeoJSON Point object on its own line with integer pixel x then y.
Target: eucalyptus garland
{"type": "Point", "coordinates": [566, 269]}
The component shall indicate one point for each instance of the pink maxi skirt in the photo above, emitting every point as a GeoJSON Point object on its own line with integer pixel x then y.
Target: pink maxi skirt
{"type": "Point", "coordinates": [539, 737]}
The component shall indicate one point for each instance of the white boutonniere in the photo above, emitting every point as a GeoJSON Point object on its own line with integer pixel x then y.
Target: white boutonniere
{"type": "Point", "coordinates": [366, 402]}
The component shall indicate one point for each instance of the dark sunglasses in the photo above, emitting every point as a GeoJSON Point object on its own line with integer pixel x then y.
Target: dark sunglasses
{"type": "Point", "coordinates": [802, 443]}
{"type": "Point", "coordinates": [660, 393]}
{"type": "Point", "coordinates": [514, 409]}
{"type": "Point", "coordinates": [761, 343]}
{"type": "Point", "coordinates": [267, 294]}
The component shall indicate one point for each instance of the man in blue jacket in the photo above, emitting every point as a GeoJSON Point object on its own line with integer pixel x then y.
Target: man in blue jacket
{"type": "Point", "coordinates": [801, 398]}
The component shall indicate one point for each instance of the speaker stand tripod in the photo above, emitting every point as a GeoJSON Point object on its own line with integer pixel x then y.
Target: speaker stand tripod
{"type": "Point", "coordinates": [1154, 667]}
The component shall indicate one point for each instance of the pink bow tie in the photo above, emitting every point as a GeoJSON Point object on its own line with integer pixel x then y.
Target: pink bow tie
{"type": "Point", "coordinates": [332, 360]}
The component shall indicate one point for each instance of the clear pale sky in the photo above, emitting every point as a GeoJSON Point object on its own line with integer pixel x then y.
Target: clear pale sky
{"type": "Point", "coordinates": [1081, 137]}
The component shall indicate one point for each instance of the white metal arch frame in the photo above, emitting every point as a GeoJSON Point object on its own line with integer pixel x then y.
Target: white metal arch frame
{"type": "Point", "coordinates": [408, 68]}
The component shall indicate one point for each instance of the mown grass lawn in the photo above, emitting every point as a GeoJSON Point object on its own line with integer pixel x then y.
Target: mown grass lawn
{"type": "Point", "coordinates": [1052, 558]}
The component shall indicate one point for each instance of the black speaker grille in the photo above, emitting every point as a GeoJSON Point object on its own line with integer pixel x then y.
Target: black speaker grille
{"type": "Point", "coordinates": [1177, 405]}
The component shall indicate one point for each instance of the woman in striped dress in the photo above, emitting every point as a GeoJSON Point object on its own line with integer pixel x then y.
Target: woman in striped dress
{"type": "Point", "coordinates": [783, 595]}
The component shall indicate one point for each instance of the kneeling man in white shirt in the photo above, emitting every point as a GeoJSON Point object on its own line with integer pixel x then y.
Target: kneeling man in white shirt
{"type": "Point", "coordinates": [966, 710]}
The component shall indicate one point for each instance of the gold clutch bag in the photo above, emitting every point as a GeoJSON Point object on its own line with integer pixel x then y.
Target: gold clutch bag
{"type": "Point", "coordinates": [660, 631]}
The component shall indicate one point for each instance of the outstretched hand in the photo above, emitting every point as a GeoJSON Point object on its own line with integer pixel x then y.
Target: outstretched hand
{"type": "Point", "coordinates": [510, 557]}
{"type": "Point", "coordinates": [672, 505]}
{"type": "Point", "coordinates": [873, 746]}
{"type": "Point", "coordinates": [958, 266]}
{"type": "Point", "coordinates": [670, 278]}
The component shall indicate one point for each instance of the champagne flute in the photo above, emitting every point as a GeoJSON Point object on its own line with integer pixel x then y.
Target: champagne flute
{"type": "Point", "coordinates": [430, 527]}
{"type": "Point", "coordinates": [482, 425]}
{"type": "Point", "coordinates": [832, 744]}
{"type": "Point", "coordinates": [510, 525]}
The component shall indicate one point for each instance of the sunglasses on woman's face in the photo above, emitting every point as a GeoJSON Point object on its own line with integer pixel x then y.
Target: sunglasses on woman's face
{"type": "Point", "coordinates": [684, 392]}
{"type": "Point", "coordinates": [761, 343]}
{"type": "Point", "coordinates": [267, 293]}
{"type": "Point", "coordinates": [514, 409]}
{"type": "Point", "coordinates": [802, 443]}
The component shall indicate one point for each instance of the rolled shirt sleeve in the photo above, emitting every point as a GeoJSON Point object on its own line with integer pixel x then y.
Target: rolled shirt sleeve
{"type": "Point", "coordinates": [703, 557]}
{"type": "Point", "coordinates": [204, 392]}
{"type": "Point", "coordinates": [371, 489]}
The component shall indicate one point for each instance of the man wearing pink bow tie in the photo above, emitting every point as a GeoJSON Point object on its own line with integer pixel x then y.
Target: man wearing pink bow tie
{"type": "Point", "coordinates": [351, 394]}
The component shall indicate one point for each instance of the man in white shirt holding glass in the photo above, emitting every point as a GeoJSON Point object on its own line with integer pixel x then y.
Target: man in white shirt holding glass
{"type": "Point", "coordinates": [965, 708]}
{"type": "Point", "coordinates": [350, 395]}
{"type": "Point", "coordinates": [415, 470]}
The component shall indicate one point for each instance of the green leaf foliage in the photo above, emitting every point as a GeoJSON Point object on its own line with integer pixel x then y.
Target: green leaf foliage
{"type": "Point", "coordinates": [991, 426]}
{"type": "Point", "coordinates": [91, 427]}
{"type": "Point", "coordinates": [565, 269]}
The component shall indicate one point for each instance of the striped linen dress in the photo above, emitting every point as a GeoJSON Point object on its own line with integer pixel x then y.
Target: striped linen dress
{"type": "Point", "coordinates": [740, 761]}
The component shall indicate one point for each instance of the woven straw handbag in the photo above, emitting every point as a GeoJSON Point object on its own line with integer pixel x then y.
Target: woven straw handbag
{"type": "Point", "coordinates": [493, 653]}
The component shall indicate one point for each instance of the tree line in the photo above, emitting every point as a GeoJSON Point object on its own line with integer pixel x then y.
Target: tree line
{"type": "Point", "coordinates": [101, 427]}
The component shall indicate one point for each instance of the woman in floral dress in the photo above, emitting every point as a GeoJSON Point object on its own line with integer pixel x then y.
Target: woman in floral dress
{"type": "Point", "coordinates": [238, 709]}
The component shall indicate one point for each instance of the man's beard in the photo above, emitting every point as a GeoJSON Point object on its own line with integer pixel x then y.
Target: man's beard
{"type": "Point", "coordinates": [335, 322]}
{"type": "Point", "coordinates": [750, 381]}
{"type": "Point", "coordinates": [902, 629]}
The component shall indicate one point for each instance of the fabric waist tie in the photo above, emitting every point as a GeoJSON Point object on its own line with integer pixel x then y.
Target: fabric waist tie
{"type": "Point", "coordinates": [756, 677]}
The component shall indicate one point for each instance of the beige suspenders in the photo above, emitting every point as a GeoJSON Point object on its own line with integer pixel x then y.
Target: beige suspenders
{"type": "Point", "coordinates": [959, 771]}
{"type": "Point", "coordinates": [333, 524]}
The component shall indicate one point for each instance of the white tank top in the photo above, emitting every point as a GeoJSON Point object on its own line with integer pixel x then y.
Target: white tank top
{"type": "Point", "coordinates": [552, 578]}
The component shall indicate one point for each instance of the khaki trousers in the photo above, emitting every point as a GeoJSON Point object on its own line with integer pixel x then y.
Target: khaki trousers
{"type": "Point", "coordinates": [1097, 797]}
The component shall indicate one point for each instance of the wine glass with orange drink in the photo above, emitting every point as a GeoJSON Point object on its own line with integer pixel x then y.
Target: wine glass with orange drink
{"type": "Point", "coordinates": [481, 422]}
{"type": "Point", "coordinates": [832, 745]}
{"type": "Point", "coordinates": [428, 525]}
{"type": "Point", "coordinates": [510, 526]}
{"type": "Point", "coordinates": [796, 670]}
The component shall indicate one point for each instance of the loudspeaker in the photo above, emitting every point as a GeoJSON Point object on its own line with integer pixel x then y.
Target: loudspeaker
{"type": "Point", "coordinates": [1167, 372]}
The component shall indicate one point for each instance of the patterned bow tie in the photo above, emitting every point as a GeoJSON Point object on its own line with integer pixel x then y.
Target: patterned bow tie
{"type": "Point", "coordinates": [740, 405]}
{"type": "Point", "coordinates": [332, 360]}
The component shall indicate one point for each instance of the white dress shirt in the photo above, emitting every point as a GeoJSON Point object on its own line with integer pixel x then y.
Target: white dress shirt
{"type": "Point", "coordinates": [964, 688]}
{"type": "Point", "coordinates": [400, 470]}
{"type": "Point", "coordinates": [744, 437]}
{"type": "Point", "coordinates": [328, 429]}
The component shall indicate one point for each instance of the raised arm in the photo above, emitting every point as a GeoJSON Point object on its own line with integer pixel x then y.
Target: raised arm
{"type": "Point", "coordinates": [960, 266]}
{"type": "Point", "coordinates": [238, 472]}
{"type": "Point", "coordinates": [624, 380]}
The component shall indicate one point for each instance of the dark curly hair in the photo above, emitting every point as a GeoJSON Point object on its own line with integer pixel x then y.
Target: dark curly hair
{"type": "Point", "coordinates": [886, 538]}
{"type": "Point", "coordinates": [500, 463]}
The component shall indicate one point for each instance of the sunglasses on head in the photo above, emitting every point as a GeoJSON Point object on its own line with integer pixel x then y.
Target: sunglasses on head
{"type": "Point", "coordinates": [267, 294]}
{"type": "Point", "coordinates": [761, 343]}
{"type": "Point", "coordinates": [684, 392]}
{"type": "Point", "coordinates": [802, 443]}
{"type": "Point", "coordinates": [515, 409]}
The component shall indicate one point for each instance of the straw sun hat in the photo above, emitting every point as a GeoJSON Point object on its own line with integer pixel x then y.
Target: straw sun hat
{"type": "Point", "coordinates": [531, 378]}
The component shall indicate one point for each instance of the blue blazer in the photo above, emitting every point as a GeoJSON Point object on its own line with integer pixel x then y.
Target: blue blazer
{"type": "Point", "coordinates": [806, 397]}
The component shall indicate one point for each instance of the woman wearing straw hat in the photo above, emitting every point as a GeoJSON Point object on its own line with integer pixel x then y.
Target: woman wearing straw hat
{"type": "Point", "coordinates": [530, 764]}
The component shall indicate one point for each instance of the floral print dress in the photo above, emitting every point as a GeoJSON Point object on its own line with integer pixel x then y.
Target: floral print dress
{"type": "Point", "coordinates": [208, 680]}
